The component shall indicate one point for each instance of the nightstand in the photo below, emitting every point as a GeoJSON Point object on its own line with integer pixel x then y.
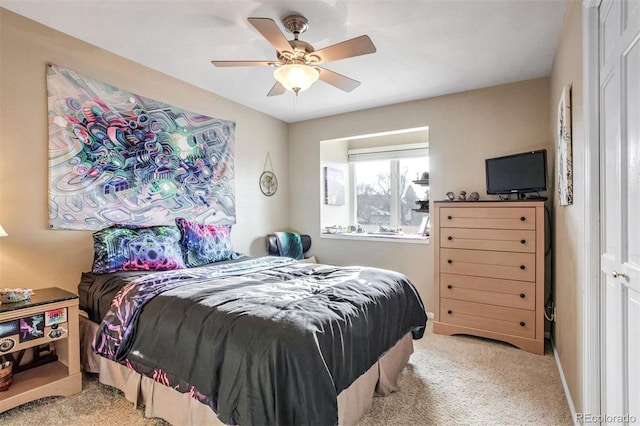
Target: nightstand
{"type": "Point", "coordinates": [49, 317]}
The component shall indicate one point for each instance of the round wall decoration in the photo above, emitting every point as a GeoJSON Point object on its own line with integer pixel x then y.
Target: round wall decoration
{"type": "Point", "coordinates": [268, 183]}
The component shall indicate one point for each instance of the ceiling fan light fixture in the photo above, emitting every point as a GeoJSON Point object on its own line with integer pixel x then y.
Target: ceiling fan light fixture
{"type": "Point", "coordinates": [296, 77]}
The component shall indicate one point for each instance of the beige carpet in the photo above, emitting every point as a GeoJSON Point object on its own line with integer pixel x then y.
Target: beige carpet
{"type": "Point", "coordinates": [450, 380]}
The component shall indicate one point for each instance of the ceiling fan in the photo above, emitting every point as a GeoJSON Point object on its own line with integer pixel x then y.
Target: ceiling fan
{"type": "Point", "coordinates": [297, 64]}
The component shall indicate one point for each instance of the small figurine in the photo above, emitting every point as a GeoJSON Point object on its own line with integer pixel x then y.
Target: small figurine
{"type": "Point", "coordinates": [462, 196]}
{"type": "Point", "coordinates": [451, 196]}
{"type": "Point", "coordinates": [474, 196]}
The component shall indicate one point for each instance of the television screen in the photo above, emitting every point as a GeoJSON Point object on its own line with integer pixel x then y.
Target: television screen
{"type": "Point", "coordinates": [518, 173]}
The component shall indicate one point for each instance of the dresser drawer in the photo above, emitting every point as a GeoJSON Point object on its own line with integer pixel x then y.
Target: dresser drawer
{"type": "Point", "coordinates": [491, 264]}
{"type": "Point", "coordinates": [513, 294]}
{"type": "Point", "coordinates": [523, 241]}
{"type": "Point", "coordinates": [488, 217]}
{"type": "Point", "coordinates": [499, 319]}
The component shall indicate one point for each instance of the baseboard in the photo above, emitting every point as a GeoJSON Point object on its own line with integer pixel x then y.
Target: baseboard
{"type": "Point", "coordinates": [567, 394]}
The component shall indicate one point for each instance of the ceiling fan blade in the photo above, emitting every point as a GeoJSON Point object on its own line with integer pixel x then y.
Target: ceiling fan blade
{"type": "Point", "coordinates": [277, 89]}
{"type": "Point", "coordinates": [355, 47]}
{"type": "Point", "coordinates": [242, 63]}
{"type": "Point", "coordinates": [338, 80]}
{"type": "Point", "coordinates": [269, 30]}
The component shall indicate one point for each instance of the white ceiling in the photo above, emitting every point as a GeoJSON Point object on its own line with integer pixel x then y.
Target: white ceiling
{"type": "Point", "coordinates": [425, 48]}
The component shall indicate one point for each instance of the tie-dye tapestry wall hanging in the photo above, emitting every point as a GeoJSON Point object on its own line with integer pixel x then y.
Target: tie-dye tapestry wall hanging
{"type": "Point", "coordinates": [117, 157]}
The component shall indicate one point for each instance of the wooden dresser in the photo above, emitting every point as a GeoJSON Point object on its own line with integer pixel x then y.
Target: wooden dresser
{"type": "Point", "coordinates": [489, 270]}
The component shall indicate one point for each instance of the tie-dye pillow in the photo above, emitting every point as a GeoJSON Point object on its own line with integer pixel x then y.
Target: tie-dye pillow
{"type": "Point", "coordinates": [202, 244]}
{"type": "Point", "coordinates": [123, 248]}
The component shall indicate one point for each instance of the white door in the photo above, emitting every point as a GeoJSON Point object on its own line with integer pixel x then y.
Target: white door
{"type": "Point", "coordinates": [620, 209]}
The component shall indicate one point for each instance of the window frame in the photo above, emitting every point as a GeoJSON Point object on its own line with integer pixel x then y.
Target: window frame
{"type": "Point", "coordinates": [397, 152]}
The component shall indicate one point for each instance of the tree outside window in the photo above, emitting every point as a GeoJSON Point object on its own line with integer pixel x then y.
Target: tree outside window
{"type": "Point", "coordinates": [385, 194]}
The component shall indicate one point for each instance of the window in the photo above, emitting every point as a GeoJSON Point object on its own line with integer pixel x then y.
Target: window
{"type": "Point", "coordinates": [384, 191]}
{"type": "Point", "coordinates": [382, 199]}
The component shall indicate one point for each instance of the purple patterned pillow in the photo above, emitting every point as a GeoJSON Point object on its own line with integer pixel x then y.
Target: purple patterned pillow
{"type": "Point", "coordinates": [124, 248]}
{"type": "Point", "coordinates": [202, 244]}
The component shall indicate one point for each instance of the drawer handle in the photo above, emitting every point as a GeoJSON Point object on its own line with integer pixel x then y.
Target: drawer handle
{"type": "Point", "coordinates": [449, 286]}
{"type": "Point", "coordinates": [523, 241]}
{"type": "Point", "coordinates": [449, 217]}
{"type": "Point", "coordinates": [522, 267]}
{"type": "Point", "coordinates": [449, 238]}
{"type": "Point", "coordinates": [449, 311]}
{"type": "Point", "coordinates": [449, 261]}
{"type": "Point", "coordinates": [522, 218]}
{"type": "Point", "coordinates": [522, 296]}
{"type": "Point", "coordinates": [522, 324]}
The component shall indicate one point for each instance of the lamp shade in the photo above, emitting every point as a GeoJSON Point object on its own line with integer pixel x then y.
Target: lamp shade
{"type": "Point", "coordinates": [296, 77]}
{"type": "Point", "coordinates": [3, 233]}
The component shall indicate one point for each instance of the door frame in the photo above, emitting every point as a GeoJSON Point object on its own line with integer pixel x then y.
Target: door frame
{"type": "Point", "coordinates": [592, 308]}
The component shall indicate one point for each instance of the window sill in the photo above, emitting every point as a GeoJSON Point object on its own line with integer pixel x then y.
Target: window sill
{"type": "Point", "coordinates": [409, 238]}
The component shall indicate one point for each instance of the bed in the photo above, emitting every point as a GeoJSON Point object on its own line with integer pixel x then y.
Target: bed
{"type": "Point", "coordinates": [248, 341]}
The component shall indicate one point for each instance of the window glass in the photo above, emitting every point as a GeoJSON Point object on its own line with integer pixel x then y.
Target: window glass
{"type": "Point", "coordinates": [372, 181]}
{"type": "Point", "coordinates": [376, 183]}
{"type": "Point", "coordinates": [410, 170]}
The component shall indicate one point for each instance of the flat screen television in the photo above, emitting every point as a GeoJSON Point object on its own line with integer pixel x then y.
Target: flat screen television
{"type": "Point", "coordinates": [519, 174]}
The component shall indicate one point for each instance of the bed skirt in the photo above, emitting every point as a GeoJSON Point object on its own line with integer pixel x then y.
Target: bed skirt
{"type": "Point", "coordinates": [181, 409]}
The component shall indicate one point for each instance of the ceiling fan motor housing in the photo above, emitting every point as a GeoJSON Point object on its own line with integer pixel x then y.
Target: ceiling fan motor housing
{"type": "Point", "coordinates": [295, 24]}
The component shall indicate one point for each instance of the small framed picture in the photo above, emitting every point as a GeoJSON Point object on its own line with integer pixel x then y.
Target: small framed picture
{"type": "Point", "coordinates": [334, 186]}
{"type": "Point", "coordinates": [424, 226]}
{"type": "Point", "coordinates": [55, 316]}
{"type": "Point", "coordinates": [31, 327]}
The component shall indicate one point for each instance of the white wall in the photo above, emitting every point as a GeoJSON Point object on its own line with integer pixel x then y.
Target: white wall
{"type": "Point", "coordinates": [35, 256]}
{"type": "Point", "coordinates": [464, 129]}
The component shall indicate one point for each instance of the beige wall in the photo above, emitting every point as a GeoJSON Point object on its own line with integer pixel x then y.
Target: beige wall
{"type": "Point", "coordinates": [34, 256]}
{"type": "Point", "coordinates": [568, 223]}
{"type": "Point", "coordinates": [464, 129]}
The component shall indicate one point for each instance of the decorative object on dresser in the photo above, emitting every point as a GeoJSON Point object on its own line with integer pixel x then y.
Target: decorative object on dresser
{"type": "Point", "coordinates": [489, 271]}
{"type": "Point", "coordinates": [12, 295]}
{"type": "Point", "coordinates": [6, 374]}
{"type": "Point", "coordinates": [47, 323]}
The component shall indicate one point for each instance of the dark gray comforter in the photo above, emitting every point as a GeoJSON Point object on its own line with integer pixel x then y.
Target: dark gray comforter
{"type": "Point", "coordinates": [269, 347]}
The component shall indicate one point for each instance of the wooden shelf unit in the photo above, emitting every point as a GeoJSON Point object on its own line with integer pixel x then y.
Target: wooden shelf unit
{"type": "Point", "coordinates": [489, 270]}
{"type": "Point", "coordinates": [58, 378]}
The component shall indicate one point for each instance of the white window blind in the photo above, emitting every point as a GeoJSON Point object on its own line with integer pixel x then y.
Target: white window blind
{"type": "Point", "coordinates": [394, 152]}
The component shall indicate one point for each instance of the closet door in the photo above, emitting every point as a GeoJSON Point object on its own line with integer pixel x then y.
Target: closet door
{"type": "Point", "coordinates": [620, 183]}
